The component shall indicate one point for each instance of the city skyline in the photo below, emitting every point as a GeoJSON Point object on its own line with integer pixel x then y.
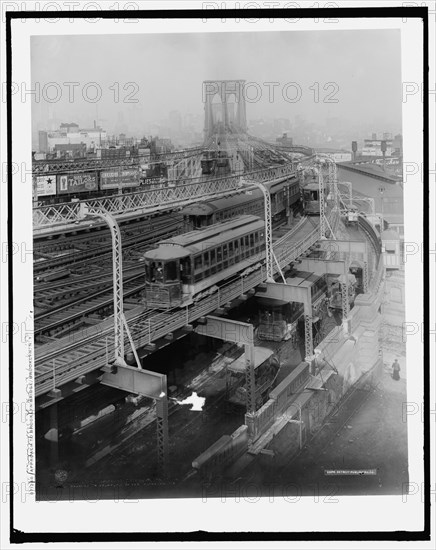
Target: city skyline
{"type": "Point", "coordinates": [353, 76]}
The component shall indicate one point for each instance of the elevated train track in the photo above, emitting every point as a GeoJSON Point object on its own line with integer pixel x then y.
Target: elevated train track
{"type": "Point", "coordinates": [82, 260]}
{"type": "Point", "coordinates": [69, 359]}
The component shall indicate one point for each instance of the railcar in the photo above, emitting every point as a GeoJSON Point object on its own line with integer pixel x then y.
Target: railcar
{"type": "Point", "coordinates": [187, 267]}
{"type": "Point", "coordinates": [205, 213]}
{"type": "Point", "coordinates": [310, 198]}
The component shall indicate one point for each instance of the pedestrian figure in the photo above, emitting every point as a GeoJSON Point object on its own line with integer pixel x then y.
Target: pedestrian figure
{"type": "Point", "coordinates": [396, 370]}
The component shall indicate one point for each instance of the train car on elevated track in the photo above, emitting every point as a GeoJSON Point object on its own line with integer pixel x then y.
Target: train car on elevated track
{"type": "Point", "coordinates": [186, 268]}
{"type": "Point", "coordinates": [205, 213]}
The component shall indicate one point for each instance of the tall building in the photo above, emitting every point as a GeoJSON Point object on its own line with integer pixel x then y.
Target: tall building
{"type": "Point", "coordinates": [70, 134]}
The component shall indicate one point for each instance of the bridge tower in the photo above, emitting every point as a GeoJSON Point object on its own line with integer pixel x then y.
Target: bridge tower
{"type": "Point", "coordinates": [226, 90]}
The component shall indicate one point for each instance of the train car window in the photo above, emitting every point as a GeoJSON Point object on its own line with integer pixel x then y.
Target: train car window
{"type": "Point", "coordinates": [225, 255]}
{"type": "Point", "coordinates": [219, 255]}
{"type": "Point", "coordinates": [252, 241]}
{"type": "Point", "coordinates": [236, 249]}
{"type": "Point", "coordinates": [185, 270]}
{"type": "Point", "coordinates": [212, 257]}
{"type": "Point", "coordinates": [242, 246]}
{"type": "Point", "coordinates": [206, 259]}
{"type": "Point", "coordinates": [231, 254]}
{"type": "Point", "coordinates": [247, 242]}
{"type": "Point", "coordinates": [156, 272]}
{"type": "Point", "coordinates": [197, 263]}
{"type": "Point", "coordinates": [171, 273]}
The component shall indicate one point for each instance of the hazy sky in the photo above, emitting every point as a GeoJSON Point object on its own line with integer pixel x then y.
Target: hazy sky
{"type": "Point", "coordinates": [168, 71]}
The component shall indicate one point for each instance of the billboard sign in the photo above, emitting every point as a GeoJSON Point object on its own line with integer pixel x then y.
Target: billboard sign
{"type": "Point", "coordinates": [45, 185]}
{"type": "Point", "coordinates": [129, 177]}
{"type": "Point", "coordinates": [77, 183]}
{"type": "Point", "coordinates": [110, 179]}
{"type": "Point", "coordinates": [118, 179]}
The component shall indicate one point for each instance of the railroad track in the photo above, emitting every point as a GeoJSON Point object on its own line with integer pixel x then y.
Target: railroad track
{"type": "Point", "coordinates": [100, 234]}
{"type": "Point", "coordinates": [67, 304]}
{"type": "Point", "coordinates": [79, 259]}
{"type": "Point", "coordinates": [46, 295]}
{"type": "Point", "coordinates": [72, 315]}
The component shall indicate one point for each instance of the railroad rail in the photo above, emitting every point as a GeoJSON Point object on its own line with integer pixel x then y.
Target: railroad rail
{"type": "Point", "coordinates": [49, 218]}
{"type": "Point", "coordinates": [51, 323]}
{"type": "Point", "coordinates": [92, 351]}
{"type": "Point", "coordinates": [85, 258]}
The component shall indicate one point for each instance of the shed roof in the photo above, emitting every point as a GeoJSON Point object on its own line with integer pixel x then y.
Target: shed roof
{"type": "Point", "coordinates": [260, 356]}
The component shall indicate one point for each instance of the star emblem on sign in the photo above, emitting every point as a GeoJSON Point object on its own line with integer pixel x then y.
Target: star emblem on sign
{"type": "Point", "coordinates": [49, 180]}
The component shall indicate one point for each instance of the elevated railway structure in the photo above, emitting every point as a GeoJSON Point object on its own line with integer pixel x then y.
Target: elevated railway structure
{"type": "Point", "coordinates": [62, 166]}
{"type": "Point", "coordinates": [59, 217]}
{"type": "Point", "coordinates": [77, 359]}
{"type": "Point", "coordinates": [67, 360]}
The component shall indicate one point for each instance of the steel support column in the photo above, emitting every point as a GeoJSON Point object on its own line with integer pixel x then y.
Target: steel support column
{"type": "Point", "coordinates": [308, 337]}
{"type": "Point", "coordinates": [322, 219]}
{"type": "Point", "coordinates": [117, 269]}
{"type": "Point", "coordinates": [270, 258]}
{"type": "Point", "coordinates": [250, 378]}
{"type": "Point", "coordinates": [162, 431]}
{"type": "Point", "coordinates": [345, 305]}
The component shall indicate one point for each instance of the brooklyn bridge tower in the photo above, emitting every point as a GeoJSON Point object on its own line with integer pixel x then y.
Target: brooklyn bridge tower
{"type": "Point", "coordinates": [224, 108]}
